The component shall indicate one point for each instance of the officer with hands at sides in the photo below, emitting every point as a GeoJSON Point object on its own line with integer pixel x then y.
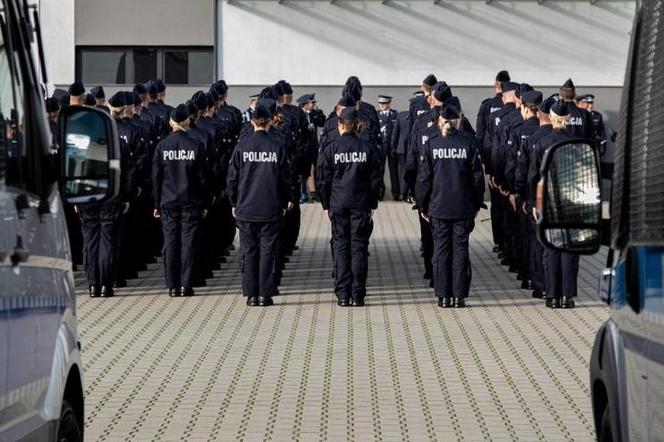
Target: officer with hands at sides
{"type": "Point", "coordinates": [449, 191]}
{"type": "Point", "coordinates": [350, 182]}
{"type": "Point", "coordinates": [260, 191]}
{"type": "Point", "coordinates": [179, 180]}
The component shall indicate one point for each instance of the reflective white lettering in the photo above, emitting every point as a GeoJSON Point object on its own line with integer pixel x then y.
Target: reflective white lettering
{"type": "Point", "coordinates": [450, 153]}
{"type": "Point", "coordinates": [350, 157]}
{"type": "Point", "coordinates": [179, 155]}
{"type": "Point", "coordinates": [259, 157]}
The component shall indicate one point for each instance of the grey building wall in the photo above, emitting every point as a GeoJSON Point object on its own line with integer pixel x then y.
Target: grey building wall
{"type": "Point", "coordinates": [145, 22]}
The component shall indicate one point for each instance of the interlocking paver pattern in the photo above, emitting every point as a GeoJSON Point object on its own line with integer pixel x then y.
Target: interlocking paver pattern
{"type": "Point", "coordinates": [400, 368]}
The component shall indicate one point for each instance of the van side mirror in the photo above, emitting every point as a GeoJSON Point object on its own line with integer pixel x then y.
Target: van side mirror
{"type": "Point", "coordinates": [568, 198]}
{"type": "Point", "coordinates": [90, 154]}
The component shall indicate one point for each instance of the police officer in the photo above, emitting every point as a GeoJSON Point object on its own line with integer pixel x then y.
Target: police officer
{"type": "Point", "coordinates": [100, 223]}
{"type": "Point", "coordinates": [387, 117]}
{"type": "Point", "coordinates": [587, 102]}
{"type": "Point", "coordinates": [580, 123]}
{"type": "Point", "coordinates": [90, 100]}
{"type": "Point", "coordinates": [530, 100]}
{"type": "Point", "coordinates": [179, 193]}
{"type": "Point", "coordinates": [420, 104]}
{"type": "Point", "coordinates": [100, 97]}
{"type": "Point", "coordinates": [248, 113]}
{"type": "Point", "coordinates": [449, 190]}
{"type": "Point", "coordinates": [560, 268]}
{"type": "Point", "coordinates": [527, 176]}
{"type": "Point", "coordinates": [399, 142]}
{"type": "Point", "coordinates": [259, 189]}
{"type": "Point", "coordinates": [349, 185]}
{"type": "Point", "coordinates": [53, 110]}
{"type": "Point", "coordinates": [315, 120]}
{"type": "Point", "coordinates": [76, 93]}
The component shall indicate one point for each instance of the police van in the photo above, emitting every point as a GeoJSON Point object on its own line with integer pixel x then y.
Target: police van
{"type": "Point", "coordinates": [627, 360]}
{"type": "Point", "coordinates": [41, 384]}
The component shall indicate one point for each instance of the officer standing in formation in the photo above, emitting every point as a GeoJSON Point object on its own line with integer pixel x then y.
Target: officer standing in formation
{"type": "Point", "coordinates": [515, 141]}
{"type": "Point", "coordinates": [179, 191]}
{"type": "Point", "coordinates": [387, 120]}
{"type": "Point", "coordinates": [259, 189]}
{"type": "Point", "coordinates": [315, 121]}
{"type": "Point", "coordinates": [449, 192]}
{"type": "Point", "coordinates": [349, 184]}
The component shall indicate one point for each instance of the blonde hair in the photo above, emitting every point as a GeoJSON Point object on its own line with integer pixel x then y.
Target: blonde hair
{"type": "Point", "coordinates": [179, 127]}
{"type": "Point", "coordinates": [116, 112]}
{"type": "Point", "coordinates": [557, 121]}
{"type": "Point", "coordinates": [448, 126]}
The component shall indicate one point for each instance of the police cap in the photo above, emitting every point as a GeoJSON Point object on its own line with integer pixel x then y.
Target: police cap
{"type": "Point", "coordinates": [161, 86]}
{"type": "Point", "coordinates": [348, 114]}
{"type": "Point", "coordinates": [89, 100]}
{"type": "Point", "coordinates": [118, 100]}
{"type": "Point", "coordinates": [191, 108]}
{"type": "Point", "coordinates": [384, 99]}
{"type": "Point", "coordinates": [587, 98]}
{"type": "Point", "coordinates": [347, 100]}
{"type": "Point", "coordinates": [129, 98]}
{"type": "Point", "coordinates": [450, 112]}
{"type": "Point", "coordinates": [531, 97]}
{"type": "Point", "coordinates": [98, 92]}
{"type": "Point", "coordinates": [523, 87]}
{"type": "Point", "coordinates": [140, 89]}
{"type": "Point", "coordinates": [560, 108]}
{"type": "Point", "coordinates": [503, 76]}
{"type": "Point", "coordinates": [265, 108]}
{"type": "Point", "coordinates": [76, 89]}
{"type": "Point", "coordinates": [430, 80]}
{"type": "Point", "coordinates": [546, 104]}
{"type": "Point", "coordinates": [304, 99]}
{"type": "Point", "coordinates": [52, 104]}
{"type": "Point", "coordinates": [441, 91]}
{"type": "Point", "coordinates": [509, 86]}
{"type": "Point", "coordinates": [199, 100]}
{"type": "Point", "coordinates": [180, 113]}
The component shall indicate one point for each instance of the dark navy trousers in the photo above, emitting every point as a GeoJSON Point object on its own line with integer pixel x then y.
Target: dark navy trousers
{"type": "Point", "coordinates": [561, 270]}
{"type": "Point", "coordinates": [99, 227]}
{"type": "Point", "coordinates": [451, 260]}
{"type": "Point", "coordinates": [180, 226]}
{"type": "Point", "coordinates": [259, 249]}
{"type": "Point", "coordinates": [351, 230]}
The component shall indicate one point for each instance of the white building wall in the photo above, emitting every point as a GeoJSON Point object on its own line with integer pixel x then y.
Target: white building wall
{"type": "Point", "coordinates": [399, 42]}
{"type": "Point", "coordinates": [58, 33]}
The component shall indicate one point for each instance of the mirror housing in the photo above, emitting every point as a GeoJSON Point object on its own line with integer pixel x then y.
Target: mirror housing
{"type": "Point", "coordinates": [569, 198]}
{"type": "Point", "coordinates": [90, 155]}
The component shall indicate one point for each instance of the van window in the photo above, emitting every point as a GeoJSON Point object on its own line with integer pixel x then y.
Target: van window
{"type": "Point", "coordinates": [640, 163]}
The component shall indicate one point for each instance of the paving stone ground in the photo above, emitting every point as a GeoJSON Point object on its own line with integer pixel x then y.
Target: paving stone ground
{"type": "Point", "coordinates": [400, 368]}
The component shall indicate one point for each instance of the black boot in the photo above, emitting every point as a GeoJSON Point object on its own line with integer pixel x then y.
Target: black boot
{"type": "Point", "coordinates": [252, 301]}
{"type": "Point", "coordinates": [343, 302]}
{"type": "Point", "coordinates": [174, 292]}
{"type": "Point", "coordinates": [444, 302]}
{"type": "Point", "coordinates": [567, 302]}
{"type": "Point", "coordinates": [94, 291]}
{"type": "Point", "coordinates": [265, 301]}
{"type": "Point", "coordinates": [107, 291]}
{"type": "Point", "coordinates": [459, 302]}
{"type": "Point", "coordinates": [553, 302]}
{"type": "Point", "coordinates": [187, 291]}
{"type": "Point", "coordinates": [358, 302]}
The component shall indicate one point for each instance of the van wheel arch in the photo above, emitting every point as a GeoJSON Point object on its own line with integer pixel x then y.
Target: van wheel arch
{"type": "Point", "coordinates": [73, 395]}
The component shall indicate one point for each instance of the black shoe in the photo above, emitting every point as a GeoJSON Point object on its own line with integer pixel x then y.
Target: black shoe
{"type": "Point", "coordinates": [496, 249]}
{"type": "Point", "coordinates": [427, 275]}
{"type": "Point", "coordinates": [296, 247]}
{"type": "Point", "coordinates": [173, 293]}
{"type": "Point", "coordinates": [505, 262]}
{"type": "Point", "coordinates": [459, 302]}
{"type": "Point", "coordinates": [265, 301]}
{"type": "Point", "coordinates": [552, 303]}
{"type": "Point", "coordinates": [444, 302]}
{"type": "Point", "coordinates": [343, 302]}
{"type": "Point", "coordinates": [252, 301]}
{"type": "Point", "coordinates": [526, 284]}
{"type": "Point", "coordinates": [537, 294]}
{"type": "Point", "coordinates": [106, 291]}
{"type": "Point", "coordinates": [358, 303]}
{"type": "Point", "coordinates": [94, 291]}
{"type": "Point", "coordinates": [519, 276]}
{"type": "Point", "coordinates": [187, 291]}
{"type": "Point", "coordinates": [512, 269]}
{"type": "Point", "coordinates": [431, 283]}
{"type": "Point", "coordinates": [567, 302]}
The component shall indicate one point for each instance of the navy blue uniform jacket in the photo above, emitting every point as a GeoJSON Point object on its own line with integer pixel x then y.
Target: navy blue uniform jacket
{"type": "Point", "coordinates": [350, 174]}
{"type": "Point", "coordinates": [179, 169]}
{"type": "Point", "coordinates": [258, 183]}
{"type": "Point", "coordinates": [450, 180]}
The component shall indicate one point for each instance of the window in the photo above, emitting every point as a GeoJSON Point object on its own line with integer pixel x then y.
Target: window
{"type": "Point", "coordinates": [123, 65]}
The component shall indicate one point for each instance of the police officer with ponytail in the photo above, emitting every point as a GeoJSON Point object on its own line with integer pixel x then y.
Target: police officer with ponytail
{"type": "Point", "coordinates": [180, 197]}
{"type": "Point", "coordinates": [260, 191]}
{"type": "Point", "coordinates": [449, 191]}
{"type": "Point", "coordinates": [350, 182]}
